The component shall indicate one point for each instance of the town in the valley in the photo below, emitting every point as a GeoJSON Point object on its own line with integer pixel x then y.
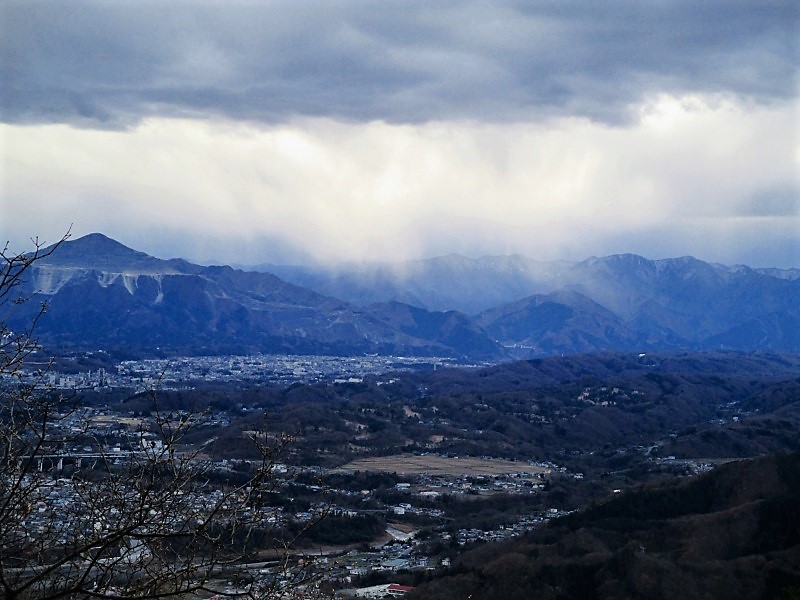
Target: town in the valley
{"type": "Point", "coordinates": [384, 479]}
{"type": "Point", "coordinates": [411, 520]}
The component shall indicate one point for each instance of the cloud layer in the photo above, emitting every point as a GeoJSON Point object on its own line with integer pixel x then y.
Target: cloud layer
{"type": "Point", "coordinates": [107, 64]}
{"type": "Point", "coordinates": [679, 182]}
{"type": "Point", "coordinates": [349, 130]}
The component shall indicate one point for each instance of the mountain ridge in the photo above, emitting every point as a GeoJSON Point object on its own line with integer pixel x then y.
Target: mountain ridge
{"type": "Point", "coordinates": [664, 304]}
{"type": "Point", "coordinates": [103, 294]}
{"type": "Point", "coordinates": [421, 278]}
{"type": "Point", "coordinates": [101, 291]}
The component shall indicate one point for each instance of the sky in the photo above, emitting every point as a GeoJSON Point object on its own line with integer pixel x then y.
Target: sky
{"type": "Point", "coordinates": [340, 131]}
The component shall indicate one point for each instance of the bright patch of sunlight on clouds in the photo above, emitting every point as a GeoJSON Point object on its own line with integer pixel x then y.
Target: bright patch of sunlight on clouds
{"type": "Point", "coordinates": [335, 191]}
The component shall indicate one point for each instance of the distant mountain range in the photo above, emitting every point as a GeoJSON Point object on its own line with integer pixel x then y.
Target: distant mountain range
{"type": "Point", "coordinates": [102, 294]}
{"type": "Point", "coordinates": [620, 282]}
{"type": "Point", "coordinates": [620, 302]}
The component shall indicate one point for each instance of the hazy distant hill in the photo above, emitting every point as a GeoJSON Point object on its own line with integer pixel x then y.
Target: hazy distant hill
{"type": "Point", "coordinates": [615, 302]}
{"type": "Point", "coordinates": [451, 328]}
{"type": "Point", "coordinates": [563, 321]}
{"type": "Point", "coordinates": [455, 282]}
{"type": "Point", "coordinates": [451, 282]}
{"type": "Point", "coordinates": [102, 294]}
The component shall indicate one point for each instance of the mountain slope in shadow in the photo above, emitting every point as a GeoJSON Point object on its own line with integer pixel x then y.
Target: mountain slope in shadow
{"type": "Point", "coordinates": [733, 532]}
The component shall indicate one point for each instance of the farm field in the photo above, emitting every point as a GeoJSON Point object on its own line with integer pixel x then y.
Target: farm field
{"type": "Point", "coordinates": [410, 464]}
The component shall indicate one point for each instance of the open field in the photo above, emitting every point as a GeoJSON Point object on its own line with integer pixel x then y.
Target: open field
{"type": "Point", "coordinates": [115, 419]}
{"type": "Point", "coordinates": [409, 464]}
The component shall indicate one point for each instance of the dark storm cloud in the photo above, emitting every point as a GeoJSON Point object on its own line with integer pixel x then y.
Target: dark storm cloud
{"type": "Point", "coordinates": [110, 64]}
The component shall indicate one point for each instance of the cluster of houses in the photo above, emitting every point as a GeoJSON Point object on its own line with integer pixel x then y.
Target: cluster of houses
{"type": "Point", "coordinates": [184, 372]}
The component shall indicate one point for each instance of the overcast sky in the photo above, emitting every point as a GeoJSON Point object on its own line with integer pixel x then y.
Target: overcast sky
{"type": "Point", "coordinates": [290, 132]}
